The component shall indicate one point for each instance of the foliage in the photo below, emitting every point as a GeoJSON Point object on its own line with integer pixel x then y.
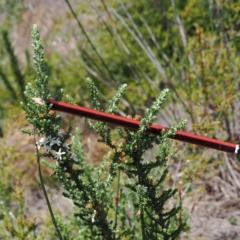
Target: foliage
{"type": "Point", "coordinates": [17, 226]}
{"type": "Point", "coordinates": [14, 178]}
{"type": "Point", "coordinates": [191, 47]}
{"type": "Point", "coordinates": [142, 201]}
{"type": "Point", "coordinates": [13, 75]}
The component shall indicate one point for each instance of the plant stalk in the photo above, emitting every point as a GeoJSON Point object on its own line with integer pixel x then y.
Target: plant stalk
{"type": "Point", "coordinates": [45, 193]}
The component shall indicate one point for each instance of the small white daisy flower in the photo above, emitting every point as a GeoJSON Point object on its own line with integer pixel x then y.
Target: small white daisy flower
{"type": "Point", "coordinates": [42, 142]}
{"type": "Point", "coordinates": [55, 141]}
{"type": "Point", "coordinates": [66, 146]}
{"type": "Point", "coordinates": [59, 154]}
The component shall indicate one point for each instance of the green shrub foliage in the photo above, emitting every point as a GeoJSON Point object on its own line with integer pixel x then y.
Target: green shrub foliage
{"type": "Point", "coordinates": [123, 198]}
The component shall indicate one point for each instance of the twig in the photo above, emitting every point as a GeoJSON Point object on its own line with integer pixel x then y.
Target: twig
{"type": "Point", "coordinates": [45, 192]}
{"type": "Point", "coordinates": [117, 200]}
{"type": "Point", "coordinates": [231, 171]}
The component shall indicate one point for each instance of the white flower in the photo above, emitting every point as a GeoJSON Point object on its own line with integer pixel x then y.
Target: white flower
{"type": "Point", "coordinates": [59, 154]}
{"type": "Point", "coordinates": [48, 142]}
{"type": "Point", "coordinates": [66, 146]}
{"type": "Point", "coordinates": [42, 142]}
{"type": "Point", "coordinates": [55, 141]}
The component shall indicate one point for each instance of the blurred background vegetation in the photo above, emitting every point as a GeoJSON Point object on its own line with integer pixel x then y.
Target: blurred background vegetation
{"type": "Point", "coordinates": [189, 46]}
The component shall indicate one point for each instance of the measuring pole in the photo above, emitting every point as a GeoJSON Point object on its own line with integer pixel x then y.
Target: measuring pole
{"type": "Point", "coordinates": [134, 125]}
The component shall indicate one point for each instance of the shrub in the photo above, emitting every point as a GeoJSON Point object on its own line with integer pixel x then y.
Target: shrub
{"type": "Point", "coordinates": [143, 207]}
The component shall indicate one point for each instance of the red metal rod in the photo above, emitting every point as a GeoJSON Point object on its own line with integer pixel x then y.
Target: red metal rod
{"type": "Point", "coordinates": [134, 124]}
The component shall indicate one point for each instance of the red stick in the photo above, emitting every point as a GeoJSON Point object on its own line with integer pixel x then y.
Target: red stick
{"type": "Point", "coordinates": [134, 124]}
